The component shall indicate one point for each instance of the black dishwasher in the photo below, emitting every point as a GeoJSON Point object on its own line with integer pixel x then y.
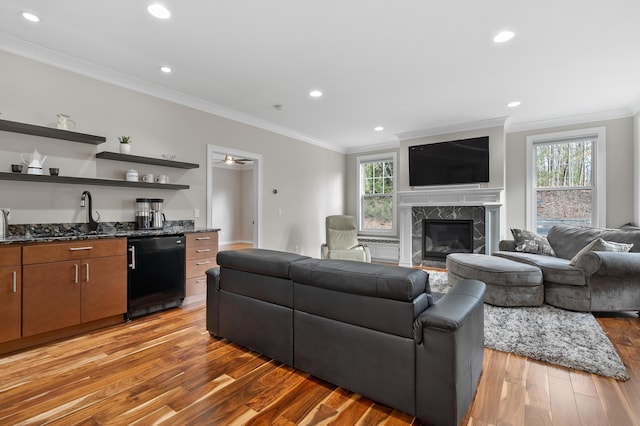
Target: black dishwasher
{"type": "Point", "coordinates": [156, 278]}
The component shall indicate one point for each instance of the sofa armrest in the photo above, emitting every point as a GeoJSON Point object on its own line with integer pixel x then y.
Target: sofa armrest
{"type": "Point", "coordinates": [452, 310]}
{"type": "Point", "coordinates": [610, 264]}
{"type": "Point", "coordinates": [213, 300]}
{"type": "Point", "coordinates": [451, 354]}
{"type": "Point", "coordinates": [507, 245]}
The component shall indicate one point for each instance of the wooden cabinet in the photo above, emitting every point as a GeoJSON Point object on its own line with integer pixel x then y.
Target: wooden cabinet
{"type": "Point", "coordinates": [70, 283]}
{"type": "Point", "coordinates": [10, 293]}
{"type": "Point", "coordinates": [201, 251]}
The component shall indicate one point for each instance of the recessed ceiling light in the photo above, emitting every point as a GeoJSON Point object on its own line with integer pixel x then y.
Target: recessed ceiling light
{"type": "Point", "coordinates": [513, 104]}
{"type": "Point", "coordinates": [159, 11]}
{"type": "Point", "coordinates": [378, 129]}
{"type": "Point", "coordinates": [503, 36]}
{"type": "Point", "coordinates": [166, 70]}
{"type": "Point", "coordinates": [30, 17]}
{"type": "Point", "coordinates": [315, 93]}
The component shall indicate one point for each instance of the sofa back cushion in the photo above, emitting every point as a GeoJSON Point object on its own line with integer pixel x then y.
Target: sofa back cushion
{"type": "Point", "coordinates": [625, 236]}
{"type": "Point", "coordinates": [260, 261]}
{"type": "Point", "coordinates": [367, 279]}
{"type": "Point", "coordinates": [568, 240]}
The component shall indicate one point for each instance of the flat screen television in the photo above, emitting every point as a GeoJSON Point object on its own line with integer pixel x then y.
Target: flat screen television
{"type": "Point", "coordinates": [452, 162]}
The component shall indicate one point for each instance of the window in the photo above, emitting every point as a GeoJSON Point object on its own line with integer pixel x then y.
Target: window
{"type": "Point", "coordinates": [377, 194]}
{"type": "Point", "coordinates": [566, 179]}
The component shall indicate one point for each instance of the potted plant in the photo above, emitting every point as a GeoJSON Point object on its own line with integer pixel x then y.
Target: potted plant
{"type": "Point", "coordinates": [125, 144]}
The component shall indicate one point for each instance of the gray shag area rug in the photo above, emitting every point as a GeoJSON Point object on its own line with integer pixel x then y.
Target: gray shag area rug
{"type": "Point", "coordinates": [546, 333]}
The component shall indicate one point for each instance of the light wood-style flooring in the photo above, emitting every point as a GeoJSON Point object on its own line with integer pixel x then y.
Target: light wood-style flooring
{"type": "Point", "coordinates": [165, 368]}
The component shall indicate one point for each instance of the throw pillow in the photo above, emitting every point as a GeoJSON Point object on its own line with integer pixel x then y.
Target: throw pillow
{"type": "Point", "coordinates": [530, 242]}
{"type": "Point", "coordinates": [601, 245]}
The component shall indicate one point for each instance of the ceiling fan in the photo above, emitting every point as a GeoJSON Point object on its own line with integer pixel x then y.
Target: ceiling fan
{"type": "Point", "coordinates": [232, 160]}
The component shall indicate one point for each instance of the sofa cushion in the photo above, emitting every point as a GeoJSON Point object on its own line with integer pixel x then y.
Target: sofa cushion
{"type": "Point", "coordinates": [568, 240]}
{"type": "Point", "coordinates": [392, 282]}
{"type": "Point", "coordinates": [626, 235]}
{"type": "Point", "coordinates": [601, 245]}
{"type": "Point", "coordinates": [530, 242]}
{"type": "Point", "coordinates": [260, 261]}
{"type": "Point", "coordinates": [554, 269]}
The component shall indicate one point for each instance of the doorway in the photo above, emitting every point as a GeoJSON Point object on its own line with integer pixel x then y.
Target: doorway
{"type": "Point", "coordinates": [227, 203]}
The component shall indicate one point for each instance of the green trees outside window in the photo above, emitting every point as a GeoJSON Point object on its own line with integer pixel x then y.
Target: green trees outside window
{"type": "Point", "coordinates": [377, 195]}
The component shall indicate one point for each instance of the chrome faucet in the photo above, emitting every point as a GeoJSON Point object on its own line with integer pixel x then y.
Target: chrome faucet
{"type": "Point", "coordinates": [93, 224]}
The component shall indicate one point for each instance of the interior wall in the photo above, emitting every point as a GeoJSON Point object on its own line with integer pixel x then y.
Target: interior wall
{"type": "Point", "coordinates": [496, 154]}
{"type": "Point", "coordinates": [310, 179]}
{"type": "Point", "coordinates": [620, 169]}
{"type": "Point", "coordinates": [636, 169]}
{"type": "Point", "coordinates": [247, 194]}
{"type": "Point", "coordinates": [227, 204]}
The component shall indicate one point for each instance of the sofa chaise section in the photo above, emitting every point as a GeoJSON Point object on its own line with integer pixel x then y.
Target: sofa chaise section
{"type": "Point", "coordinates": [599, 281]}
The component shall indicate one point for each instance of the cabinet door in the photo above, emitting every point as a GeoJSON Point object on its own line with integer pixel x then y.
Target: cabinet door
{"type": "Point", "coordinates": [51, 296]}
{"type": "Point", "coordinates": [10, 303]}
{"type": "Point", "coordinates": [104, 287]}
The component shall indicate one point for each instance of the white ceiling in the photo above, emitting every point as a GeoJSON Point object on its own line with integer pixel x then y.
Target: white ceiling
{"type": "Point", "coordinates": [412, 66]}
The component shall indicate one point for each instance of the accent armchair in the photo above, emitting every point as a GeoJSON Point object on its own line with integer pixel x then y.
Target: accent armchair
{"type": "Point", "coordinates": [342, 240]}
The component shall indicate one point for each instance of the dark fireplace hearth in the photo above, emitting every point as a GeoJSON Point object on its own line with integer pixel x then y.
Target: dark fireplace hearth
{"type": "Point", "coordinates": [443, 236]}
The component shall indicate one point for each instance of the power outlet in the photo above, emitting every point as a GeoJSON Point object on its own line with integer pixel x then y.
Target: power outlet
{"type": "Point", "coordinates": [196, 212]}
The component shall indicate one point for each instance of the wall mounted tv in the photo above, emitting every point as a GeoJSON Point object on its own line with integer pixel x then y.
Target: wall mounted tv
{"type": "Point", "coordinates": [452, 162]}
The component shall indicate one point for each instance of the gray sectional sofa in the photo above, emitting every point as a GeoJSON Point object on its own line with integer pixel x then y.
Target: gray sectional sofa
{"type": "Point", "coordinates": [599, 281]}
{"type": "Point", "coordinates": [372, 329]}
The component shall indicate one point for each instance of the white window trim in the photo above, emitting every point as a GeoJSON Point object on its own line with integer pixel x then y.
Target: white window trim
{"type": "Point", "coordinates": [372, 158]}
{"type": "Point", "coordinates": [599, 167]}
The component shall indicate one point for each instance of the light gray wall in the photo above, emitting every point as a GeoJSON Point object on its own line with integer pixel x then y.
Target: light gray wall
{"type": "Point", "coordinates": [496, 167]}
{"type": "Point", "coordinates": [496, 154]}
{"type": "Point", "coordinates": [309, 178]}
{"type": "Point", "coordinates": [636, 169]}
{"type": "Point", "coordinates": [227, 204]}
{"type": "Point", "coordinates": [247, 203]}
{"type": "Point", "coordinates": [619, 134]}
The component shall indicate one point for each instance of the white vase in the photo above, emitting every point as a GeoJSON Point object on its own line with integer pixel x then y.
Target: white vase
{"type": "Point", "coordinates": [125, 148]}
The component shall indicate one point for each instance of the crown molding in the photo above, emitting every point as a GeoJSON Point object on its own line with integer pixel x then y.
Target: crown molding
{"type": "Point", "coordinates": [375, 147]}
{"type": "Point", "coordinates": [634, 106]}
{"type": "Point", "coordinates": [454, 128]}
{"type": "Point", "coordinates": [88, 69]}
{"type": "Point", "coordinates": [570, 120]}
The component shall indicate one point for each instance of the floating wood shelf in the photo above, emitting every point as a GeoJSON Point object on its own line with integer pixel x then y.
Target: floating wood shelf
{"type": "Point", "coordinates": [49, 132]}
{"type": "Point", "coordinates": [105, 155]}
{"type": "Point", "coordinates": [88, 181]}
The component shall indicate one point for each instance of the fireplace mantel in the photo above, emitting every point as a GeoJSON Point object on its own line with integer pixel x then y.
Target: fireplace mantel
{"type": "Point", "coordinates": [455, 196]}
{"type": "Point", "coordinates": [489, 198]}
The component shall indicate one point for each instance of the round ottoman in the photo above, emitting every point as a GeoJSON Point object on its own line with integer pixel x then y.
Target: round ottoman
{"type": "Point", "coordinates": [509, 283]}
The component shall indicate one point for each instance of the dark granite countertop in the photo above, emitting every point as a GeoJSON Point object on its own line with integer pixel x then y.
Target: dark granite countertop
{"type": "Point", "coordinates": [77, 232]}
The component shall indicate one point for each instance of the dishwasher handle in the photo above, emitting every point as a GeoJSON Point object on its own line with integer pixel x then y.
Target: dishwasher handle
{"type": "Point", "coordinates": [132, 249]}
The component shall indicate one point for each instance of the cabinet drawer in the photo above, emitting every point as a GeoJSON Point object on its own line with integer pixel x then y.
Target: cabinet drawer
{"type": "Point", "coordinates": [10, 255]}
{"type": "Point", "coordinates": [202, 240]}
{"type": "Point", "coordinates": [62, 251]}
{"type": "Point", "coordinates": [197, 267]}
{"type": "Point", "coordinates": [196, 286]}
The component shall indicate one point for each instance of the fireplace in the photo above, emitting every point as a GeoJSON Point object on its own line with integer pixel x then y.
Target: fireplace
{"type": "Point", "coordinates": [443, 236]}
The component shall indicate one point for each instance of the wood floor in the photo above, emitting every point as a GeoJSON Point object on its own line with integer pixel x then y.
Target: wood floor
{"type": "Point", "coordinates": [165, 368]}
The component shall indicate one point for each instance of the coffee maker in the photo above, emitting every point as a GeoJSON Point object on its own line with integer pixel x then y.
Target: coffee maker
{"type": "Point", "coordinates": [157, 215]}
{"type": "Point", "coordinates": [143, 213]}
{"type": "Point", "coordinates": [149, 214]}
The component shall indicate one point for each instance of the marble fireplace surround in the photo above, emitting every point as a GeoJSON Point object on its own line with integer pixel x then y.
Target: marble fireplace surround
{"type": "Point", "coordinates": [489, 198]}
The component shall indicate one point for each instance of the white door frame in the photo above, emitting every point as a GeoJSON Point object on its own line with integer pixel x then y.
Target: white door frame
{"type": "Point", "coordinates": [257, 186]}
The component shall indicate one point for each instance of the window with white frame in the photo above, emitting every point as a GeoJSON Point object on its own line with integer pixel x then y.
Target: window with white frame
{"type": "Point", "coordinates": [377, 194]}
{"type": "Point", "coordinates": [566, 179]}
